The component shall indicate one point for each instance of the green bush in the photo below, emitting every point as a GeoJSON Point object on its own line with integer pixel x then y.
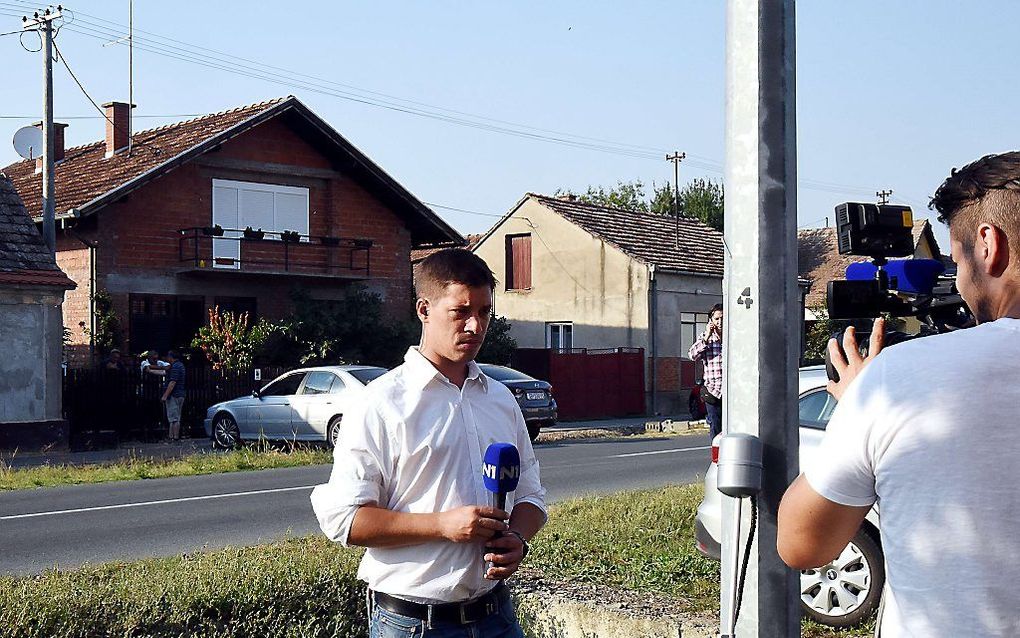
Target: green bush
{"type": "Point", "coordinates": [302, 587]}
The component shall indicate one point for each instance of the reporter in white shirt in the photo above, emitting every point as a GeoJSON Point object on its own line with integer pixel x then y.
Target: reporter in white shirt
{"type": "Point", "coordinates": [407, 482]}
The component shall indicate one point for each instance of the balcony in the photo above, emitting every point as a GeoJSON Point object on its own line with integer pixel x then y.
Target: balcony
{"type": "Point", "coordinates": [216, 249]}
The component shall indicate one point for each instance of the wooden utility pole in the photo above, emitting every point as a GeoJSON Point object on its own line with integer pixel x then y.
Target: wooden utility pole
{"type": "Point", "coordinates": [43, 23]}
{"type": "Point", "coordinates": [676, 158]}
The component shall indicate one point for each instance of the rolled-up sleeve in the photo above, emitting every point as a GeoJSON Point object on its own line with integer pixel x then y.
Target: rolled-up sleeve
{"type": "Point", "coordinates": [529, 487]}
{"type": "Point", "coordinates": [360, 468]}
{"type": "Point", "coordinates": [697, 349]}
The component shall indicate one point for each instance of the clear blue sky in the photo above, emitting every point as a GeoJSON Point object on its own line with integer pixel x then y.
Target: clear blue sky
{"type": "Point", "coordinates": [890, 94]}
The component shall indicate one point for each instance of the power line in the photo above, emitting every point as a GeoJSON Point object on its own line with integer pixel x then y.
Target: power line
{"type": "Point", "coordinates": [288, 77]}
{"type": "Point", "coordinates": [462, 210]}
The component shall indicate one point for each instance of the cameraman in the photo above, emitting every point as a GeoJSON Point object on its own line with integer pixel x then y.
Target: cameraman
{"type": "Point", "coordinates": [929, 430]}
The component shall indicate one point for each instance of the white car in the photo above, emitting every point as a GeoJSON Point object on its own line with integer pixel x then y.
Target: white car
{"type": "Point", "coordinates": [847, 590]}
{"type": "Point", "coordinates": [301, 405]}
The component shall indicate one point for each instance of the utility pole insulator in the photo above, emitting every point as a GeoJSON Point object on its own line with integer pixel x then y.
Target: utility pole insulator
{"type": "Point", "coordinates": [883, 196]}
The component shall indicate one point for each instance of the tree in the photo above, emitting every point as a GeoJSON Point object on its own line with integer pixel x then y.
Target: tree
{"type": "Point", "coordinates": [702, 199]}
{"type": "Point", "coordinates": [499, 346]}
{"type": "Point", "coordinates": [107, 334]}
{"type": "Point", "coordinates": [354, 329]}
{"type": "Point", "coordinates": [229, 342]}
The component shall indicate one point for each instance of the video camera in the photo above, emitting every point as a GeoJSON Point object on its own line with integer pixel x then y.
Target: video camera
{"type": "Point", "coordinates": [900, 288]}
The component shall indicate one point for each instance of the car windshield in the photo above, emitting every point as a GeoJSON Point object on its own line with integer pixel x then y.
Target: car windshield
{"type": "Point", "coordinates": [499, 373]}
{"type": "Point", "coordinates": [367, 374]}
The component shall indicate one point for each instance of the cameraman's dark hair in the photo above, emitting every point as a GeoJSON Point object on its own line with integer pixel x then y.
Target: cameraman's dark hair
{"type": "Point", "coordinates": [995, 177]}
{"type": "Point", "coordinates": [451, 266]}
{"type": "Point", "coordinates": [716, 308]}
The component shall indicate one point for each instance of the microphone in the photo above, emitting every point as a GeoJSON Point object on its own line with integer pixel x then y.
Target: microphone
{"type": "Point", "coordinates": [501, 471]}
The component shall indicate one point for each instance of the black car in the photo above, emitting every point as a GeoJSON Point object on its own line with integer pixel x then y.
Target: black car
{"type": "Point", "coordinates": [534, 396]}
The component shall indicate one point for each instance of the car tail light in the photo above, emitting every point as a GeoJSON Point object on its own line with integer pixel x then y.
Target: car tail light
{"type": "Point", "coordinates": [715, 449]}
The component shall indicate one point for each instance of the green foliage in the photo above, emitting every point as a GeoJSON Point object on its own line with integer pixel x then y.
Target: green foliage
{"type": "Point", "coordinates": [229, 342]}
{"type": "Point", "coordinates": [134, 467]}
{"type": "Point", "coordinates": [816, 340]}
{"type": "Point", "coordinates": [354, 329]}
{"type": "Point", "coordinates": [701, 199]}
{"type": "Point", "coordinates": [301, 587]}
{"type": "Point", "coordinates": [107, 335]}
{"type": "Point", "coordinates": [499, 346]}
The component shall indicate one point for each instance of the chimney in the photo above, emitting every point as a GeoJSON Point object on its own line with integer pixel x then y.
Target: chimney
{"type": "Point", "coordinates": [118, 126]}
{"type": "Point", "coordinates": [58, 143]}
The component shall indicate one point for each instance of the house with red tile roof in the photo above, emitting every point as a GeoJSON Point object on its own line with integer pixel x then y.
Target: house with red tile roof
{"type": "Point", "coordinates": [579, 278]}
{"type": "Point", "coordinates": [31, 291]}
{"type": "Point", "coordinates": [234, 209]}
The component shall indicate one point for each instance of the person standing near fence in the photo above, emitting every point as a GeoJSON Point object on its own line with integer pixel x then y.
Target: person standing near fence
{"type": "Point", "coordinates": [173, 395]}
{"type": "Point", "coordinates": [708, 349]}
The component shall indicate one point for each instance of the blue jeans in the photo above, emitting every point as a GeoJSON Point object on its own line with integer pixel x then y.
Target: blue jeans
{"type": "Point", "coordinates": [502, 624]}
{"type": "Point", "coordinates": [714, 417]}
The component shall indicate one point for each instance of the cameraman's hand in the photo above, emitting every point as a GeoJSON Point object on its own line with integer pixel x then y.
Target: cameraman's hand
{"type": "Point", "coordinates": [850, 365]}
{"type": "Point", "coordinates": [472, 523]}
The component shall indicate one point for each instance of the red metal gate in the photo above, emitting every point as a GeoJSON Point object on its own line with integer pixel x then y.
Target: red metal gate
{"type": "Point", "coordinates": [589, 384]}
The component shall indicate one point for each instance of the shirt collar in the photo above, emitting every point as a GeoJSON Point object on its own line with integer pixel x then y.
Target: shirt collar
{"type": "Point", "coordinates": [420, 370]}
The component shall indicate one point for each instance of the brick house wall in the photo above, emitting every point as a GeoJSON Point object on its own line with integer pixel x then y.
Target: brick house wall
{"type": "Point", "coordinates": [138, 249]}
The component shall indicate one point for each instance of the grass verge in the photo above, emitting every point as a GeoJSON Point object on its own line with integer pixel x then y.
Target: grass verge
{"type": "Point", "coordinates": [641, 541]}
{"type": "Point", "coordinates": [133, 467]}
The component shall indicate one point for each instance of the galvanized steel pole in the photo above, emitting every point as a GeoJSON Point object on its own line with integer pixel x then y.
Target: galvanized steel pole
{"type": "Point", "coordinates": [762, 325]}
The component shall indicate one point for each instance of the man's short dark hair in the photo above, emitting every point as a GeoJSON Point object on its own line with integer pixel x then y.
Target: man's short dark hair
{"type": "Point", "coordinates": [172, 354]}
{"type": "Point", "coordinates": [451, 266]}
{"type": "Point", "coordinates": [993, 180]}
{"type": "Point", "coordinates": [716, 308]}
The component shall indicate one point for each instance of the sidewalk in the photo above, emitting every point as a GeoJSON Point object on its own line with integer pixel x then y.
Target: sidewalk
{"type": "Point", "coordinates": [184, 447]}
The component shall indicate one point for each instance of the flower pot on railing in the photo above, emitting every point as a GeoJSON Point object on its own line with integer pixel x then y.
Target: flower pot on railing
{"type": "Point", "coordinates": [290, 235]}
{"type": "Point", "coordinates": [250, 233]}
{"type": "Point", "coordinates": [330, 241]}
{"type": "Point", "coordinates": [363, 243]}
{"type": "Point", "coordinates": [213, 231]}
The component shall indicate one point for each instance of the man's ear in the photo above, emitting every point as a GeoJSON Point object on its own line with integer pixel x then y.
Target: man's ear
{"type": "Point", "coordinates": [421, 308]}
{"type": "Point", "coordinates": [992, 249]}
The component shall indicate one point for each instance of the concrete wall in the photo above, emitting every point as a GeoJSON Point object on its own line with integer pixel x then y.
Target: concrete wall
{"type": "Point", "coordinates": [579, 278]}
{"type": "Point", "coordinates": [30, 373]}
{"type": "Point", "coordinates": [575, 277]}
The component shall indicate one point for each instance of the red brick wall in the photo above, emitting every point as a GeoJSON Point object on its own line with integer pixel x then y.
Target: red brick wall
{"type": "Point", "coordinates": [73, 258]}
{"type": "Point", "coordinates": [138, 236]}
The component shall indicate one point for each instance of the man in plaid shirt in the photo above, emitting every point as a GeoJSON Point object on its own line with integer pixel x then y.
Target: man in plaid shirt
{"type": "Point", "coordinates": [708, 349]}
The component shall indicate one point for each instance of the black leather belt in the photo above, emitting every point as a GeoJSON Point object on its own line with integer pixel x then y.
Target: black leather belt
{"type": "Point", "coordinates": [462, 613]}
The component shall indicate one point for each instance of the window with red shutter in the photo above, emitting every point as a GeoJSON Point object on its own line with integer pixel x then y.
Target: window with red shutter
{"type": "Point", "coordinates": [518, 262]}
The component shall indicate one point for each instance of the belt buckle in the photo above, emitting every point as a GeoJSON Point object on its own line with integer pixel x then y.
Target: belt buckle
{"type": "Point", "coordinates": [463, 616]}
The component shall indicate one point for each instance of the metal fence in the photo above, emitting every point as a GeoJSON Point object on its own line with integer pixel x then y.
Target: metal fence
{"type": "Point", "coordinates": [104, 407]}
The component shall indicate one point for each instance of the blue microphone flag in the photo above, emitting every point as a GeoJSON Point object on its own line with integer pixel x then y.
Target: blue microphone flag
{"type": "Point", "coordinates": [501, 468]}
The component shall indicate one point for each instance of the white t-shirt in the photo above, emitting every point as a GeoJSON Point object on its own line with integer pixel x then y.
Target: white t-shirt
{"type": "Point", "coordinates": [931, 430]}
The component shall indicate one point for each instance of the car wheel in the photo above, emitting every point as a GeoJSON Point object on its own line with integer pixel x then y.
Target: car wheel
{"type": "Point", "coordinates": [225, 432]}
{"type": "Point", "coordinates": [533, 430]}
{"type": "Point", "coordinates": [333, 431]}
{"type": "Point", "coordinates": [847, 590]}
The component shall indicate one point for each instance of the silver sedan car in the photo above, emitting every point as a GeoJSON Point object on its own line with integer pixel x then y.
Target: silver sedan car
{"type": "Point", "coordinates": [847, 590]}
{"type": "Point", "coordinates": [301, 405]}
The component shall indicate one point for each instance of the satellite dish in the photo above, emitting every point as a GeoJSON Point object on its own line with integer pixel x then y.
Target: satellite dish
{"type": "Point", "coordinates": [28, 142]}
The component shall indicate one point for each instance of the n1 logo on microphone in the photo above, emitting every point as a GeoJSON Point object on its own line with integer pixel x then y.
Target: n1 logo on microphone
{"type": "Point", "coordinates": [512, 472]}
{"type": "Point", "coordinates": [501, 468]}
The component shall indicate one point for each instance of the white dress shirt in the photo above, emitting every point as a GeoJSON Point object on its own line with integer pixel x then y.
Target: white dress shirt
{"type": "Point", "coordinates": [415, 443]}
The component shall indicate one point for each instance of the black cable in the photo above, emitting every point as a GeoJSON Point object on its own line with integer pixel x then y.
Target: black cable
{"type": "Point", "coordinates": [747, 557]}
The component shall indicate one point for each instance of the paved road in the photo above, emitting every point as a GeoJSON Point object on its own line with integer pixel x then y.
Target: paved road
{"type": "Point", "coordinates": [68, 526]}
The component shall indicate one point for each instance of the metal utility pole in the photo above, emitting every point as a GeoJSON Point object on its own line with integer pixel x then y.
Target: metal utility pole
{"type": "Point", "coordinates": [676, 158]}
{"type": "Point", "coordinates": [43, 23]}
{"type": "Point", "coordinates": [131, 72]}
{"type": "Point", "coordinates": [763, 320]}
{"type": "Point", "coordinates": [883, 196]}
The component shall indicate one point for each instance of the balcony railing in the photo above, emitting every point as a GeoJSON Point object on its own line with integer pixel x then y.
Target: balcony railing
{"type": "Point", "coordinates": [257, 251]}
